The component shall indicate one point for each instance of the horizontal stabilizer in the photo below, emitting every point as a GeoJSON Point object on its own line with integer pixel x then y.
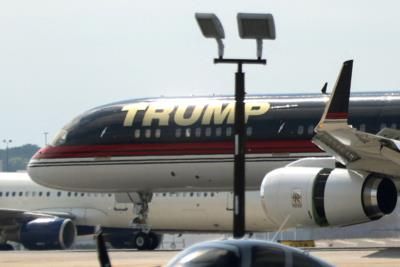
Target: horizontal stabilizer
{"type": "Point", "coordinates": [390, 133]}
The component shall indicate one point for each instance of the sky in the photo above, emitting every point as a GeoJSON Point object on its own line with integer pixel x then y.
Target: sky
{"type": "Point", "coordinates": [59, 58]}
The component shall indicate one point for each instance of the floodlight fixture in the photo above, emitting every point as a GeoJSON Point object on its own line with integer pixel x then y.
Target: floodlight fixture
{"type": "Point", "coordinates": [211, 27]}
{"type": "Point", "coordinates": [256, 26]}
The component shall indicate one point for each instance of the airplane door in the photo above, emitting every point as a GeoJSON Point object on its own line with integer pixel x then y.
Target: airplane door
{"type": "Point", "coordinates": [229, 201]}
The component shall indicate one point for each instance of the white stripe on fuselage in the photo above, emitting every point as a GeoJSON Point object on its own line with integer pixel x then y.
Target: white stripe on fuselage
{"type": "Point", "coordinates": [157, 173]}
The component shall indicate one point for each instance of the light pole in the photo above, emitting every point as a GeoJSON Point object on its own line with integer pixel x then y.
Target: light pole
{"type": "Point", "coordinates": [7, 142]}
{"type": "Point", "coordinates": [251, 26]}
{"type": "Point", "coordinates": [45, 138]}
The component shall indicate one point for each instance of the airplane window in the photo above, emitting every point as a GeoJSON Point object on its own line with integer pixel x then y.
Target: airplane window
{"type": "Point", "coordinates": [147, 133]}
{"type": "Point", "coordinates": [208, 131]}
{"type": "Point", "coordinates": [212, 194]}
{"type": "Point", "coordinates": [58, 193]}
{"type": "Point", "coordinates": [310, 129]}
{"type": "Point", "coordinates": [95, 194]}
{"type": "Point", "coordinates": [20, 194]}
{"type": "Point", "coordinates": [60, 138]}
{"type": "Point", "coordinates": [267, 256]}
{"type": "Point", "coordinates": [191, 194]}
{"type": "Point", "coordinates": [187, 132]}
{"type": "Point", "coordinates": [157, 134]}
{"type": "Point", "coordinates": [69, 194]}
{"type": "Point", "coordinates": [13, 194]}
{"type": "Point", "coordinates": [40, 194]}
{"type": "Point", "coordinates": [249, 131]}
{"type": "Point", "coordinates": [300, 130]}
{"type": "Point", "coordinates": [110, 195]}
{"type": "Point", "coordinates": [198, 132]}
{"type": "Point", "coordinates": [164, 194]}
{"type": "Point", "coordinates": [33, 193]}
{"type": "Point", "coordinates": [48, 194]}
{"type": "Point", "coordinates": [76, 194]}
{"type": "Point", "coordinates": [198, 194]}
{"type": "Point", "coordinates": [229, 131]}
{"type": "Point", "coordinates": [137, 133]}
{"type": "Point", "coordinates": [26, 193]}
{"type": "Point", "coordinates": [205, 194]}
{"type": "Point", "coordinates": [218, 131]}
{"type": "Point", "coordinates": [362, 127]}
{"type": "Point", "coordinates": [82, 194]}
{"type": "Point", "coordinates": [7, 194]}
{"type": "Point", "coordinates": [1, 194]}
{"type": "Point", "coordinates": [178, 132]}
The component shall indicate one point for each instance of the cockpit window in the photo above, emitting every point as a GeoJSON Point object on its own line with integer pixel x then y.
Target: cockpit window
{"type": "Point", "coordinates": [208, 257]}
{"type": "Point", "coordinates": [60, 138]}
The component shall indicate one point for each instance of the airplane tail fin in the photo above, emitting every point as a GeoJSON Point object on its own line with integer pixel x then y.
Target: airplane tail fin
{"type": "Point", "coordinates": [336, 111]}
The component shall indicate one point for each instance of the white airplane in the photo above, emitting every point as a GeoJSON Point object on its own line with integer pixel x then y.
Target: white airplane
{"type": "Point", "coordinates": [138, 148]}
{"type": "Point", "coordinates": [43, 218]}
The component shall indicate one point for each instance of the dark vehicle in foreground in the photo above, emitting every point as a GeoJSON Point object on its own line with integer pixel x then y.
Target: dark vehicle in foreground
{"type": "Point", "coordinates": [241, 253]}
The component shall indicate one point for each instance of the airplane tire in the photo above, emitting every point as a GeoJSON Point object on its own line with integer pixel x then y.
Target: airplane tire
{"type": "Point", "coordinates": [142, 241]}
{"type": "Point", "coordinates": [6, 247]}
{"type": "Point", "coordinates": [154, 241]}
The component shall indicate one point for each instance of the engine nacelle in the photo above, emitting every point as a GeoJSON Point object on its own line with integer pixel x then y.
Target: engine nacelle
{"type": "Point", "coordinates": [48, 233]}
{"type": "Point", "coordinates": [309, 196]}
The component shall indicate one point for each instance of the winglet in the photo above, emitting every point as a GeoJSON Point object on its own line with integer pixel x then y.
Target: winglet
{"type": "Point", "coordinates": [336, 111]}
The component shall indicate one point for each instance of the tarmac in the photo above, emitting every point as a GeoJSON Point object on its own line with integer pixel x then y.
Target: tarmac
{"type": "Point", "coordinates": [349, 257]}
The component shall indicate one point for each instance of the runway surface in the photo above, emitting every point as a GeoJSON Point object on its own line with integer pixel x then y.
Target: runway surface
{"type": "Point", "coordinates": [340, 257]}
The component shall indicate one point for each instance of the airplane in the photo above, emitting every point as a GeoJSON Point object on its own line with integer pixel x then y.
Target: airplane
{"type": "Point", "coordinates": [137, 148]}
{"type": "Point", "coordinates": [43, 218]}
{"type": "Point", "coordinates": [27, 209]}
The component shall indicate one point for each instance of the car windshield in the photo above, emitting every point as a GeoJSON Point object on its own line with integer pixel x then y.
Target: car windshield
{"type": "Point", "coordinates": [208, 257]}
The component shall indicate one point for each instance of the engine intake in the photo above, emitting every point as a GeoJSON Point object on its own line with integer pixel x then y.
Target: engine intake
{"type": "Point", "coordinates": [48, 233]}
{"type": "Point", "coordinates": [309, 196]}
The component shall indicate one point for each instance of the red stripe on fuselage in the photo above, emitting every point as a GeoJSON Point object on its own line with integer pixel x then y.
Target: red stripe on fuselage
{"type": "Point", "coordinates": [337, 116]}
{"type": "Point", "coordinates": [209, 148]}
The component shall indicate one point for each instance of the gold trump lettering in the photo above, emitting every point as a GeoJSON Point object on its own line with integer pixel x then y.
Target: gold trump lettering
{"type": "Point", "coordinates": [187, 115]}
{"type": "Point", "coordinates": [182, 120]}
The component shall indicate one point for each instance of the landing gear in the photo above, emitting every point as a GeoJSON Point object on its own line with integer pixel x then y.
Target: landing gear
{"type": "Point", "coordinates": [6, 246]}
{"type": "Point", "coordinates": [147, 241]}
{"type": "Point", "coordinates": [141, 208]}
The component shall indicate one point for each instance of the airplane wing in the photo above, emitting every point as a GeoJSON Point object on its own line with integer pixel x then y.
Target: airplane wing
{"type": "Point", "coordinates": [355, 149]}
{"type": "Point", "coordinates": [9, 217]}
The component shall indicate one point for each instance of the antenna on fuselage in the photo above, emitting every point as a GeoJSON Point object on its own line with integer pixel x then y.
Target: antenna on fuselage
{"type": "Point", "coordinates": [323, 90]}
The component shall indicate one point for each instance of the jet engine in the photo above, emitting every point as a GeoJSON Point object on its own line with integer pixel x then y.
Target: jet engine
{"type": "Point", "coordinates": [317, 197]}
{"type": "Point", "coordinates": [47, 233]}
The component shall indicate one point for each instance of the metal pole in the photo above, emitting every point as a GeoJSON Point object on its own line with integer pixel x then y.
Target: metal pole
{"type": "Point", "coordinates": [45, 138]}
{"type": "Point", "coordinates": [239, 226]}
{"type": "Point", "coordinates": [6, 169]}
{"type": "Point", "coordinates": [6, 141]}
{"type": "Point", "coordinates": [239, 164]}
